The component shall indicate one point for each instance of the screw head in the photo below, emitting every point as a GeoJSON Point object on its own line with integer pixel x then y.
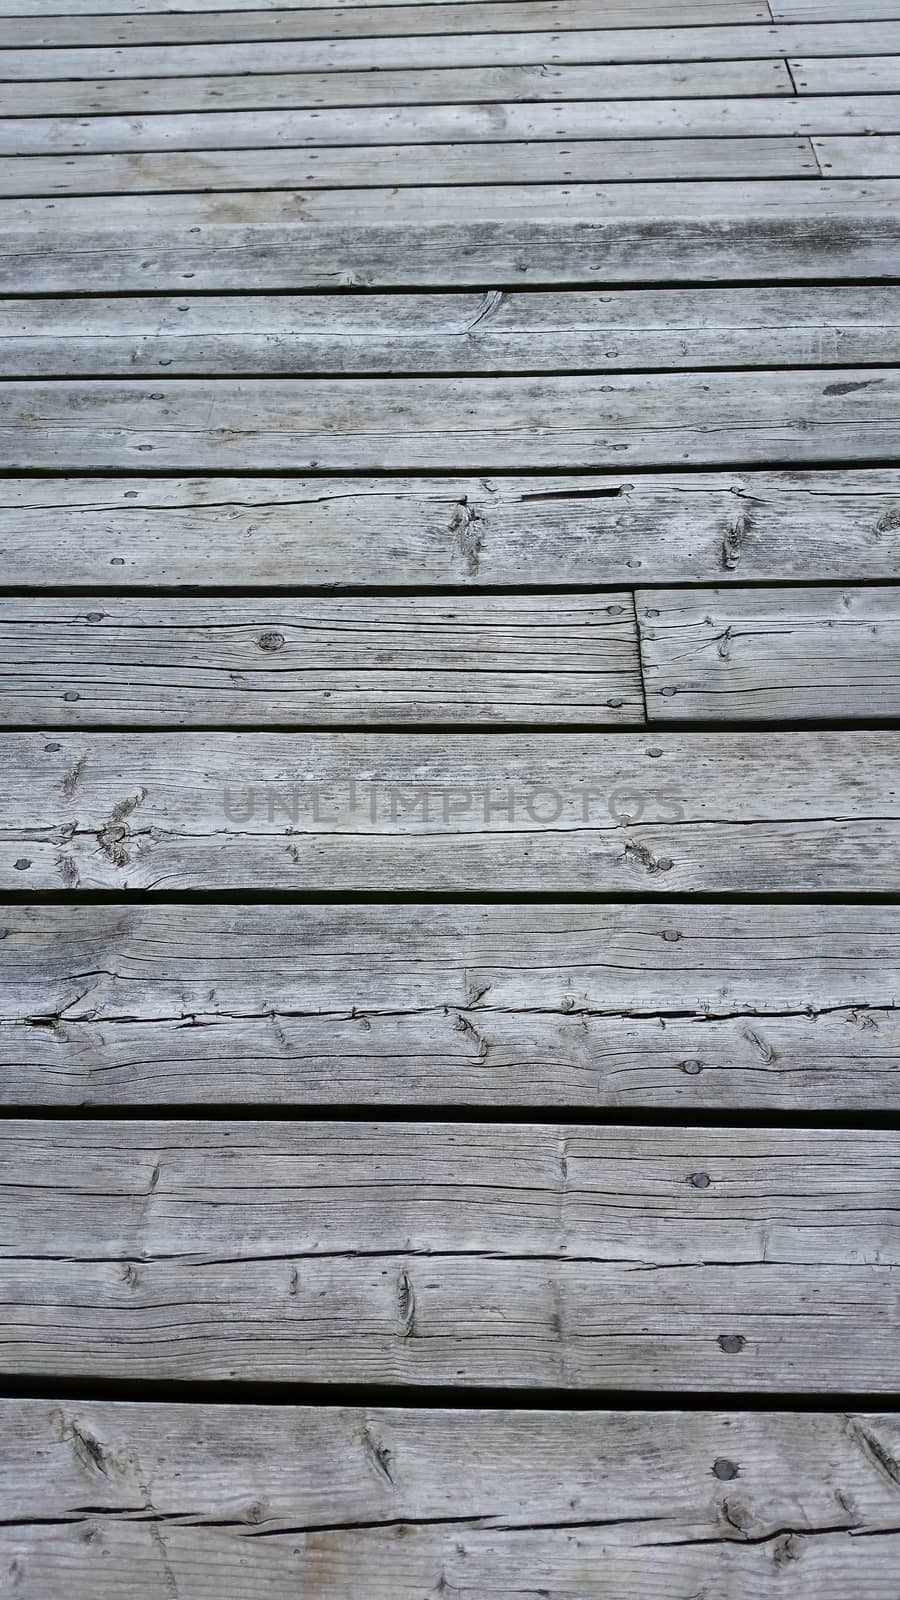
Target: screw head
{"type": "Point", "coordinates": [22, 864]}
{"type": "Point", "coordinates": [700, 1180]}
{"type": "Point", "coordinates": [724, 1469]}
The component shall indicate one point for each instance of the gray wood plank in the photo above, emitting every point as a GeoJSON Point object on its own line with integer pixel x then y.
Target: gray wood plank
{"type": "Point", "coordinates": [846, 74]}
{"type": "Point", "coordinates": [518, 234]}
{"type": "Point", "coordinates": [690, 1007]}
{"type": "Point", "coordinates": [499, 1254]}
{"type": "Point", "coordinates": [372, 1501]}
{"type": "Point", "coordinates": [706, 43]}
{"type": "Point", "coordinates": [329, 662]}
{"type": "Point", "coordinates": [470, 424]}
{"type": "Point", "coordinates": [831, 10]}
{"type": "Point", "coordinates": [877, 154]}
{"type": "Point", "coordinates": [610, 814]}
{"type": "Point", "coordinates": [543, 161]}
{"type": "Point", "coordinates": [476, 333]}
{"type": "Point", "coordinates": [778, 655]}
{"type": "Point", "coordinates": [287, 92]}
{"type": "Point", "coordinates": [168, 26]}
{"type": "Point", "coordinates": [274, 533]}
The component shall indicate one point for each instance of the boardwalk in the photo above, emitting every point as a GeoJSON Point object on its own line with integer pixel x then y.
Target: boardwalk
{"type": "Point", "coordinates": [450, 799]}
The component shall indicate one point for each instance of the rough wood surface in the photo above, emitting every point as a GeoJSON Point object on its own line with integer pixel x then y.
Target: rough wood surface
{"type": "Point", "coordinates": [716, 656]}
{"type": "Point", "coordinates": [877, 154]}
{"type": "Point", "coordinates": [327, 662]}
{"type": "Point", "coordinates": [494, 331]}
{"type": "Point", "coordinates": [275, 533]}
{"type": "Point", "coordinates": [695, 232]}
{"type": "Point", "coordinates": [847, 75]}
{"type": "Point", "coordinates": [372, 1501]}
{"type": "Point", "coordinates": [470, 424]}
{"type": "Point", "coordinates": [690, 1007]}
{"type": "Point", "coordinates": [824, 10]}
{"type": "Point", "coordinates": [638, 813]}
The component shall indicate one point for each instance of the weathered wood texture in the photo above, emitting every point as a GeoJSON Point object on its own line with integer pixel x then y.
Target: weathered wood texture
{"type": "Point", "coordinates": [496, 1254]}
{"type": "Point", "coordinates": [706, 43]}
{"type": "Point", "coordinates": [406, 90]}
{"type": "Point", "coordinates": [689, 1007]}
{"type": "Point", "coordinates": [275, 533]}
{"type": "Point", "coordinates": [823, 10]}
{"type": "Point", "coordinates": [473, 424]}
{"type": "Point", "coordinates": [372, 1501]}
{"type": "Point", "coordinates": [518, 234]}
{"type": "Point", "coordinates": [636, 813]}
{"type": "Point", "coordinates": [854, 75]}
{"type": "Point", "coordinates": [183, 663]}
{"type": "Point", "coordinates": [783, 654]}
{"type": "Point", "coordinates": [878, 155]}
{"type": "Point", "coordinates": [491, 332]}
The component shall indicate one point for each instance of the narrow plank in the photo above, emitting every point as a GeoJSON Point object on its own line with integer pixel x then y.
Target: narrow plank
{"type": "Point", "coordinates": [519, 234]}
{"type": "Point", "coordinates": [775, 655]}
{"type": "Point", "coordinates": [610, 814]}
{"type": "Point", "coordinates": [877, 155]}
{"type": "Point", "coordinates": [330, 1487]}
{"type": "Point", "coordinates": [475, 333]}
{"type": "Point", "coordinates": [493, 124]}
{"type": "Point", "coordinates": [331, 662]}
{"type": "Point", "coordinates": [475, 1254]}
{"type": "Point", "coordinates": [690, 1007]}
{"type": "Point", "coordinates": [845, 74]}
{"type": "Point", "coordinates": [584, 46]}
{"type": "Point", "coordinates": [482, 85]}
{"type": "Point", "coordinates": [544, 161]}
{"type": "Point", "coordinates": [168, 26]}
{"type": "Point", "coordinates": [277, 533]}
{"type": "Point", "coordinates": [469, 424]}
{"type": "Point", "coordinates": [832, 10]}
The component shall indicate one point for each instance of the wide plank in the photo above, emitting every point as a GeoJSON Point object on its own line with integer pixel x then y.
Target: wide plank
{"type": "Point", "coordinates": [287, 92]}
{"type": "Point", "coordinates": [609, 814]}
{"type": "Point", "coordinates": [470, 424]}
{"type": "Point", "coordinates": [330, 662]}
{"type": "Point", "coordinates": [457, 1253]}
{"type": "Point", "coordinates": [406, 165]}
{"type": "Point", "coordinates": [371, 1501]}
{"type": "Point", "coordinates": [594, 46]}
{"type": "Point", "coordinates": [772, 655]}
{"type": "Point", "coordinates": [170, 26]}
{"type": "Point", "coordinates": [518, 234]}
{"type": "Point", "coordinates": [492, 332]}
{"type": "Point", "coordinates": [856, 75]}
{"type": "Point", "coordinates": [696, 1008]}
{"type": "Point", "coordinates": [877, 155]}
{"type": "Point", "coordinates": [277, 533]}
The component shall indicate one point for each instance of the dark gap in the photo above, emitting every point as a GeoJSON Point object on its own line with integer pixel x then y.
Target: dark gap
{"type": "Point", "coordinates": [494, 729]}
{"type": "Point", "coordinates": [511, 895]}
{"type": "Point", "coordinates": [517, 287]}
{"type": "Point", "coordinates": [427, 1113]}
{"type": "Point", "coordinates": [402, 374]}
{"type": "Point", "coordinates": [469, 470]}
{"type": "Point", "coordinates": [277, 593]}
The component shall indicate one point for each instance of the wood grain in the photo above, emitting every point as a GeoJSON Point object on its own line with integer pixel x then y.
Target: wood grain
{"type": "Point", "coordinates": [696, 1008]}
{"type": "Point", "coordinates": [608, 814]}
{"type": "Point", "coordinates": [846, 75]}
{"type": "Point", "coordinates": [877, 154]}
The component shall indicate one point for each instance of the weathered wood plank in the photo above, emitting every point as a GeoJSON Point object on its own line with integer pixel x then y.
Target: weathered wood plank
{"type": "Point", "coordinates": [328, 662]}
{"type": "Point", "coordinates": [474, 333]}
{"type": "Point", "coordinates": [877, 154]}
{"type": "Point", "coordinates": [713, 656]}
{"type": "Point", "coordinates": [581, 1257]}
{"type": "Point", "coordinates": [616, 813]}
{"type": "Point", "coordinates": [519, 234]}
{"type": "Point", "coordinates": [831, 10]}
{"type": "Point", "coordinates": [542, 161]}
{"type": "Point", "coordinates": [707, 43]}
{"type": "Point", "coordinates": [845, 74]}
{"type": "Point", "coordinates": [470, 424]}
{"type": "Point", "coordinates": [169, 26]}
{"type": "Point", "coordinates": [510, 121]}
{"type": "Point", "coordinates": [288, 92]}
{"type": "Point", "coordinates": [657, 1511]}
{"type": "Point", "coordinates": [692, 1007]}
{"type": "Point", "coordinates": [275, 533]}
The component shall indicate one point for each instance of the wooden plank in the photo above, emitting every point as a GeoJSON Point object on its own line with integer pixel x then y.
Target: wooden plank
{"type": "Point", "coordinates": [608, 814]}
{"type": "Point", "coordinates": [777, 655]}
{"type": "Point", "coordinates": [655, 1505]}
{"type": "Point", "coordinates": [330, 662]}
{"type": "Point", "coordinates": [277, 533]}
{"type": "Point", "coordinates": [290, 92]}
{"type": "Point", "coordinates": [544, 161]}
{"type": "Point", "coordinates": [708, 43]}
{"type": "Point", "coordinates": [469, 424]}
{"type": "Point", "coordinates": [845, 74]}
{"type": "Point", "coordinates": [493, 332]}
{"type": "Point", "coordinates": [878, 154]}
{"type": "Point", "coordinates": [379, 21]}
{"type": "Point", "coordinates": [697, 1008]}
{"type": "Point", "coordinates": [520, 234]}
{"type": "Point", "coordinates": [488, 1254]}
{"type": "Point", "coordinates": [831, 10]}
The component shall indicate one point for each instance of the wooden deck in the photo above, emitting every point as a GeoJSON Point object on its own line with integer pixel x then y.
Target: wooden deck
{"type": "Point", "coordinates": [450, 799]}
